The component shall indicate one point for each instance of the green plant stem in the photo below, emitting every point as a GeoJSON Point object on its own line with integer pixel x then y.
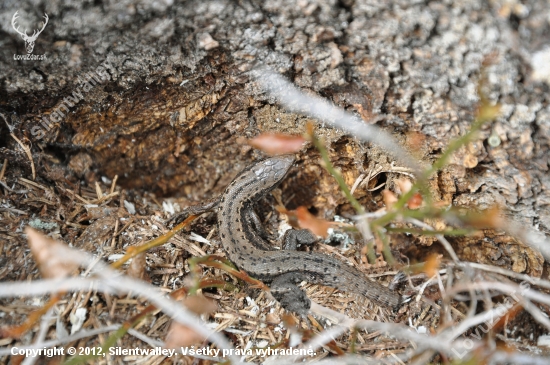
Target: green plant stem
{"type": "Point", "coordinates": [370, 251]}
{"type": "Point", "coordinates": [386, 247]}
{"type": "Point", "coordinates": [339, 179]}
{"type": "Point", "coordinates": [397, 208]}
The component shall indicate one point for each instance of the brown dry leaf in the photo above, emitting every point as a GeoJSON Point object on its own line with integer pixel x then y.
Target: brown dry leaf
{"type": "Point", "coordinates": [180, 335]}
{"type": "Point", "coordinates": [137, 267]}
{"type": "Point", "coordinates": [415, 202]}
{"type": "Point", "coordinates": [364, 252]}
{"type": "Point", "coordinates": [52, 257]}
{"type": "Point", "coordinates": [431, 266]}
{"type": "Point", "coordinates": [307, 221]}
{"type": "Point", "coordinates": [389, 198]}
{"type": "Point", "coordinates": [199, 304]}
{"type": "Point", "coordinates": [277, 143]}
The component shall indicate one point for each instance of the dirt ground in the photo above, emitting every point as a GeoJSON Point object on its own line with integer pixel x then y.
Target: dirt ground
{"type": "Point", "coordinates": [140, 109]}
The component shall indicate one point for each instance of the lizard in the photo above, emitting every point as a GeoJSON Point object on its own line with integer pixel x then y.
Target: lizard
{"type": "Point", "coordinates": [243, 239]}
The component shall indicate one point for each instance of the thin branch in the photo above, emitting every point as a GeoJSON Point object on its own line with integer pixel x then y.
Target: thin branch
{"type": "Point", "coordinates": [507, 288]}
{"type": "Point", "coordinates": [499, 270]}
{"type": "Point", "coordinates": [23, 191]}
{"type": "Point", "coordinates": [148, 340]}
{"type": "Point", "coordinates": [534, 311]}
{"type": "Point", "coordinates": [358, 181]}
{"type": "Point", "coordinates": [48, 286]}
{"type": "Point", "coordinates": [507, 357]}
{"type": "Point", "coordinates": [4, 167]}
{"type": "Point", "coordinates": [394, 330]}
{"type": "Point", "coordinates": [439, 237]}
{"type": "Point", "coordinates": [520, 294]}
{"type": "Point", "coordinates": [470, 322]}
{"type": "Point", "coordinates": [40, 337]}
{"type": "Point", "coordinates": [529, 236]}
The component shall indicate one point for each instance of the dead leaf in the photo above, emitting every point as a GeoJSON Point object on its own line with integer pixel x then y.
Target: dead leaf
{"type": "Point", "coordinates": [199, 304]}
{"type": "Point", "coordinates": [306, 220]}
{"type": "Point", "coordinates": [272, 318]}
{"type": "Point", "coordinates": [289, 321]}
{"type": "Point", "coordinates": [277, 143]}
{"type": "Point", "coordinates": [52, 257]}
{"type": "Point", "coordinates": [180, 335]}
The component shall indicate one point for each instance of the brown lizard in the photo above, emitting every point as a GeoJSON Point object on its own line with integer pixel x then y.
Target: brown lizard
{"type": "Point", "coordinates": [243, 240]}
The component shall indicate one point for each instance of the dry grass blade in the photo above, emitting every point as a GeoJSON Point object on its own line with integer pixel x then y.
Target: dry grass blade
{"type": "Point", "coordinates": [134, 251]}
{"type": "Point", "coordinates": [4, 167]}
{"type": "Point", "coordinates": [222, 264]}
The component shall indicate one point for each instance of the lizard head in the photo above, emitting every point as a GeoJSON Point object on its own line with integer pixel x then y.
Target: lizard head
{"type": "Point", "coordinates": [273, 169]}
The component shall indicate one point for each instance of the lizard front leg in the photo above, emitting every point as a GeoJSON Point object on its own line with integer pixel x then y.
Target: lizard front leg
{"type": "Point", "coordinates": [294, 239]}
{"type": "Point", "coordinates": [207, 206]}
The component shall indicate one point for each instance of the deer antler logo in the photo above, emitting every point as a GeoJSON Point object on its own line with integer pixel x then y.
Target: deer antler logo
{"type": "Point", "coordinates": [29, 41]}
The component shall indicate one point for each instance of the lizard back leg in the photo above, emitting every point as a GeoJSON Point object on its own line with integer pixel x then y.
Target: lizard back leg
{"type": "Point", "coordinates": [285, 289]}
